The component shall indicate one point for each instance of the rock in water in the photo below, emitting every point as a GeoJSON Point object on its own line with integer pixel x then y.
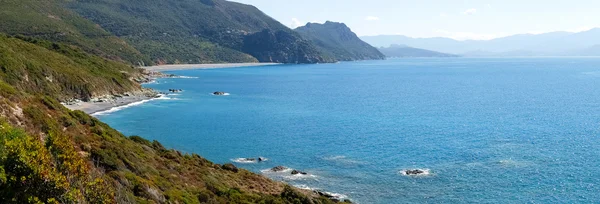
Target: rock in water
{"type": "Point", "coordinates": [294, 172]}
{"type": "Point", "coordinates": [218, 93]}
{"type": "Point", "coordinates": [262, 159]}
{"type": "Point", "coordinates": [278, 168]}
{"type": "Point", "coordinates": [411, 172]}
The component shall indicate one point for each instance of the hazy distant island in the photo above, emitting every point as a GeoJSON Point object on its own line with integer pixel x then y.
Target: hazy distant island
{"type": "Point", "coordinates": [405, 51]}
{"type": "Point", "coordinates": [585, 43]}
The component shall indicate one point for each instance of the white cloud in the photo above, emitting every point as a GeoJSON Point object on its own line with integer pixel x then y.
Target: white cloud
{"type": "Point", "coordinates": [372, 18]}
{"type": "Point", "coordinates": [468, 35]}
{"type": "Point", "coordinates": [296, 23]}
{"type": "Point", "coordinates": [470, 11]}
{"type": "Point", "coordinates": [443, 15]}
{"type": "Point", "coordinates": [488, 5]}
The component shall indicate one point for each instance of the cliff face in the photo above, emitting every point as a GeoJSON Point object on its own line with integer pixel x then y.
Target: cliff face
{"type": "Point", "coordinates": [339, 42]}
{"type": "Point", "coordinates": [282, 47]}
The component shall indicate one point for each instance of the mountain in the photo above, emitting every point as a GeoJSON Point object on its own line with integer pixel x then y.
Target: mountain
{"type": "Point", "coordinates": [144, 32]}
{"type": "Point", "coordinates": [193, 31]}
{"type": "Point", "coordinates": [546, 44]}
{"type": "Point", "coordinates": [338, 41]}
{"type": "Point", "coordinates": [405, 51]}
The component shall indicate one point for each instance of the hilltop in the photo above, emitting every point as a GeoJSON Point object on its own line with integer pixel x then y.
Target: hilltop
{"type": "Point", "coordinates": [339, 42]}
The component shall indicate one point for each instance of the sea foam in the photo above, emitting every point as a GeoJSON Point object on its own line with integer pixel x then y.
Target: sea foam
{"type": "Point", "coordinates": [129, 105]}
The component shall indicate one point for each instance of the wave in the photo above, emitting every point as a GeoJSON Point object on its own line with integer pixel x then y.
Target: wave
{"type": "Point", "coordinates": [337, 196]}
{"type": "Point", "coordinates": [225, 94]}
{"type": "Point", "coordinates": [185, 77]}
{"type": "Point", "coordinates": [244, 160]}
{"type": "Point", "coordinates": [137, 103]}
{"type": "Point", "coordinates": [300, 177]}
{"type": "Point", "coordinates": [270, 171]}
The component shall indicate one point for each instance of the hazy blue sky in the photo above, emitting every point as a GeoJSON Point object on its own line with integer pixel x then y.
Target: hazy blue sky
{"type": "Point", "coordinates": [459, 19]}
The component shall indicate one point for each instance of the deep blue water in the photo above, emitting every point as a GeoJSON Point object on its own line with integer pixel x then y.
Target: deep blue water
{"type": "Point", "coordinates": [503, 130]}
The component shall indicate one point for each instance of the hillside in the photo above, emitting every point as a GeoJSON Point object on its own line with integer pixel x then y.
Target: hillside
{"type": "Point", "coordinates": [49, 154]}
{"type": "Point", "coordinates": [192, 31]}
{"type": "Point", "coordinates": [405, 51]}
{"type": "Point", "coordinates": [339, 42]}
{"type": "Point", "coordinates": [49, 20]}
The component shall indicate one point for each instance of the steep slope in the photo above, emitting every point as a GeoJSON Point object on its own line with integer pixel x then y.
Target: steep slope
{"type": "Point", "coordinates": [49, 20]}
{"type": "Point", "coordinates": [338, 41]}
{"type": "Point", "coordinates": [59, 71]}
{"type": "Point", "coordinates": [193, 31]}
{"type": "Point", "coordinates": [405, 51]}
{"type": "Point", "coordinates": [49, 154]}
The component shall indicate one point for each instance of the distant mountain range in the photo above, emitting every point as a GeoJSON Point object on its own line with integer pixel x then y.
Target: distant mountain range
{"type": "Point", "coordinates": [339, 42]}
{"type": "Point", "coordinates": [405, 51]}
{"type": "Point", "coordinates": [547, 44]}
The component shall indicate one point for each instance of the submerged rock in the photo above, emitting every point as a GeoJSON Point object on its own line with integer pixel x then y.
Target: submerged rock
{"type": "Point", "coordinates": [218, 93]}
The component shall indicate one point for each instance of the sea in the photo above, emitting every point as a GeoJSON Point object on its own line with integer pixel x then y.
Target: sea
{"type": "Point", "coordinates": [482, 130]}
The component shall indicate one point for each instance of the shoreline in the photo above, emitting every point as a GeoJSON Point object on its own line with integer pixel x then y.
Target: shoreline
{"type": "Point", "coordinates": [112, 102]}
{"type": "Point", "coordinates": [174, 67]}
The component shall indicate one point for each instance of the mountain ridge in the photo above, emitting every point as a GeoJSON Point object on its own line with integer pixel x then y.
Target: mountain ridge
{"type": "Point", "coordinates": [406, 51]}
{"type": "Point", "coordinates": [553, 43]}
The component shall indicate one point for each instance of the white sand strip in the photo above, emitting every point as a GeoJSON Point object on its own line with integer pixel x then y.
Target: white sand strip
{"type": "Point", "coordinates": [173, 67]}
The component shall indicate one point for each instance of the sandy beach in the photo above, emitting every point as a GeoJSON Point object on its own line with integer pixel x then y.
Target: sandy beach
{"type": "Point", "coordinates": [173, 67]}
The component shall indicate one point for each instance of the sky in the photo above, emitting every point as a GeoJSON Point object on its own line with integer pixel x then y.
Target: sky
{"type": "Point", "coordinates": [457, 19]}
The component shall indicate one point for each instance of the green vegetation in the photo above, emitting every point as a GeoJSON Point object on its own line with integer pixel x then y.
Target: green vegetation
{"type": "Point", "coordinates": [60, 71]}
{"type": "Point", "coordinates": [49, 20]}
{"type": "Point", "coordinates": [192, 31]}
{"type": "Point", "coordinates": [339, 42]}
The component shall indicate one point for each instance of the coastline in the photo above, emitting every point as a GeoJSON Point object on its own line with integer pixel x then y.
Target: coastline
{"type": "Point", "coordinates": [109, 103]}
{"type": "Point", "coordinates": [173, 67]}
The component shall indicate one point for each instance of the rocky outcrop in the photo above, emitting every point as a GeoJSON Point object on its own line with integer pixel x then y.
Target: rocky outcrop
{"type": "Point", "coordinates": [230, 167]}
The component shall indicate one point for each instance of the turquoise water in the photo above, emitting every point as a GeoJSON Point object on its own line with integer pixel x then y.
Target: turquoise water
{"type": "Point", "coordinates": [505, 130]}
